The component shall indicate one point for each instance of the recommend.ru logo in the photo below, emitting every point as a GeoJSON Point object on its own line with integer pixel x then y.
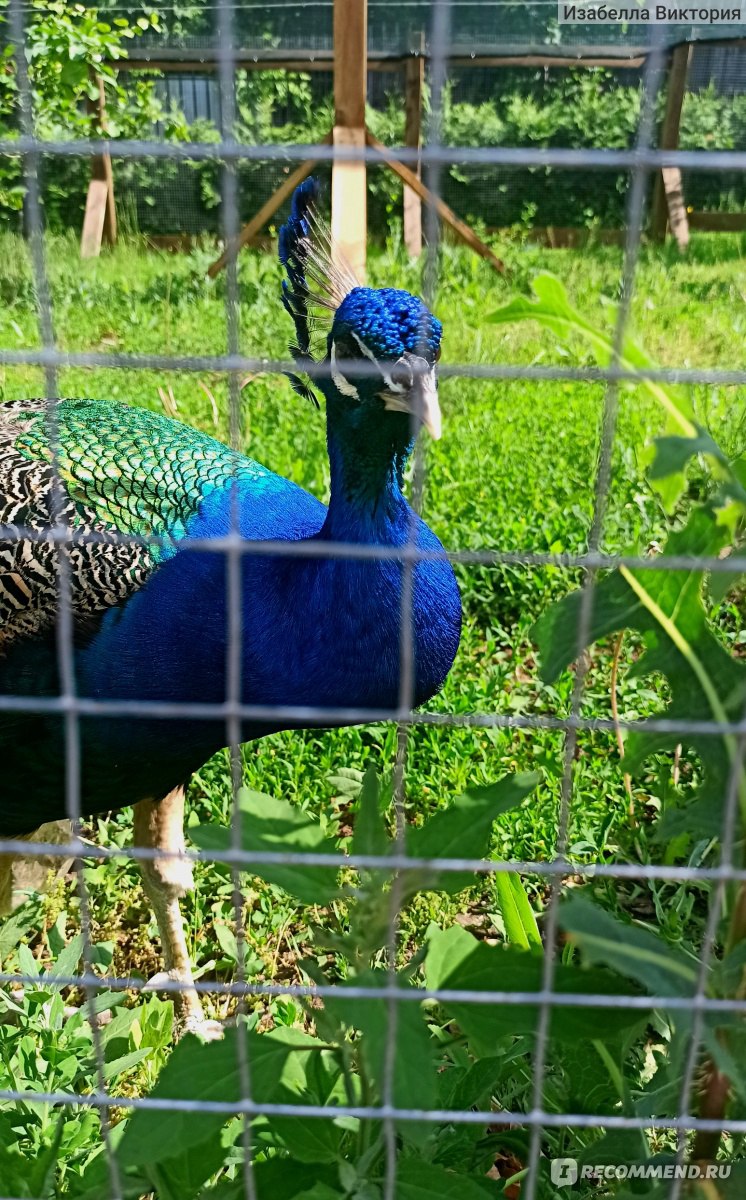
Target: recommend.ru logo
{"type": "Point", "coordinates": [565, 1172]}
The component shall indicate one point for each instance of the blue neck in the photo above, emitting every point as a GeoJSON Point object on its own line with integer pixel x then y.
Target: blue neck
{"type": "Point", "coordinates": [367, 456]}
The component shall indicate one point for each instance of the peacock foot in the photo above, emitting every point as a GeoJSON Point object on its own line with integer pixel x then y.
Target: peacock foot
{"type": "Point", "coordinates": [190, 1017]}
{"type": "Point", "coordinates": [204, 1028]}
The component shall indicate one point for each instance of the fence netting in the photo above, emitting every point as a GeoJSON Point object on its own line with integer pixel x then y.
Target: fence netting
{"type": "Point", "coordinates": [499, 176]}
{"type": "Point", "coordinates": [498, 92]}
{"type": "Point", "coordinates": [583, 107]}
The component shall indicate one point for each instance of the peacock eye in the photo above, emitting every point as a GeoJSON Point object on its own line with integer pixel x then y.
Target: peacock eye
{"type": "Point", "coordinates": [437, 354]}
{"type": "Point", "coordinates": [401, 375]}
{"type": "Point", "coordinates": [345, 351]}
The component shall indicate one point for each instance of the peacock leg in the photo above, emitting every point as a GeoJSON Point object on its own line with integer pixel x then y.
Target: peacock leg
{"type": "Point", "coordinates": [159, 825]}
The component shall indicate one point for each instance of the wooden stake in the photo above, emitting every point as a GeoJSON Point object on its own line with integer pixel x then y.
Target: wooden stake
{"type": "Point", "coordinates": [100, 220]}
{"type": "Point", "coordinates": [349, 199]}
{"type": "Point", "coordinates": [677, 215]}
{"type": "Point", "coordinates": [463, 231]}
{"type": "Point", "coordinates": [268, 209]}
{"type": "Point", "coordinates": [668, 197]}
{"type": "Point", "coordinates": [94, 219]}
{"type": "Point", "coordinates": [415, 78]}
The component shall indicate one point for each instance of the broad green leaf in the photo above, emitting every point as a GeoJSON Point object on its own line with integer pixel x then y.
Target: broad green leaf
{"type": "Point", "coordinates": [13, 928]}
{"type": "Point", "coordinates": [347, 781]}
{"type": "Point", "coordinates": [617, 1146]}
{"type": "Point", "coordinates": [706, 684]}
{"type": "Point", "coordinates": [68, 959]}
{"type": "Point", "coordinates": [119, 1065]}
{"type": "Point", "coordinates": [463, 830]}
{"type": "Point", "coordinates": [309, 1139]}
{"type": "Point", "coordinates": [273, 825]}
{"type": "Point", "coordinates": [417, 1180]}
{"type": "Point", "coordinates": [591, 1072]}
{"type": "Point", "coordinates": [279, 1179]}
{"type": "Point", "coordinates": [370, 835]}
{"type": "Point", "coordinates": [320, 1191]}
{"type": "Point", "coordinates": [472, 1087]}
{"type": "Point", "coordinates": [116, 1035]}
{"type": "Point", "coordinates": [226, 939]}
{"type": "Point", "coordinates": [191, 1165]}
{"type": "Point", "coordinates": [415, 1081]}
{"type": "Point", "coordinates": [637, 953]}
{"type": "Point", "coordinates": [27, 962]}
{"type": "Point", "coordinates": [210, 1071]}
{"type": "Point", "coordinates": [455, 959]}
{"type": "Point", "coordinates": [520, 923]}
{"type": "Point", "coordinates": [673, 452]}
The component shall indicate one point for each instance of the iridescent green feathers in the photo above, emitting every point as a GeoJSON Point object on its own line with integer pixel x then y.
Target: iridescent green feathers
{"type": "Point", "coordinates": [125, 471]}
{"type": "Point", "coordinates": [143, 473]}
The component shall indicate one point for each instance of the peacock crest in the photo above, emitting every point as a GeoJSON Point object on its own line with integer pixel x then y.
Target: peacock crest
{"type": "Point", "coordinates": [318, 280]}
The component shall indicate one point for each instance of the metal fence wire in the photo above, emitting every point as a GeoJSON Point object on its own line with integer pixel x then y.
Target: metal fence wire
{"type": "Point", "coordinates": [641, 161]}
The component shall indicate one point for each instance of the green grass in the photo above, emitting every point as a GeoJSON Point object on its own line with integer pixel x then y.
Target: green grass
{"type": "Point", "coordinates": [513, 472]}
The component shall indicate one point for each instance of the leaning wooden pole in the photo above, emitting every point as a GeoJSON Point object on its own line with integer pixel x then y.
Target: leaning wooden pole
{"type": "Point", "coordinates": [668, 201]}
{"type": "Point", "coordinates": [269, 208]}
{"type": "Point", "coordinates": [463, 232]}
{"type": "Point", "coordinates": [349, 191]}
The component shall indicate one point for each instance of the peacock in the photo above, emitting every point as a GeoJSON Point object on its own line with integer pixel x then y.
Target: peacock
{"type": "Point", "coordinates": [143, 496]}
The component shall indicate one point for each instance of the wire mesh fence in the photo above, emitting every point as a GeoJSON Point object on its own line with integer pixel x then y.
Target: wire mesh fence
{"type": "Point", "coordinates": [636, 163]}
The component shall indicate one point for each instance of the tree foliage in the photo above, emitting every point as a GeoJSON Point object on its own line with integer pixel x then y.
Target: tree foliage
{"type": "Point", "coordinates": [68, 49]}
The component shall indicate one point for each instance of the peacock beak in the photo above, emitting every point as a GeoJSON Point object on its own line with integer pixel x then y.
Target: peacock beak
{"type": "Point", "coordinates": [425, 403]}
{"type": "Point", "coordinates": [420, 397]}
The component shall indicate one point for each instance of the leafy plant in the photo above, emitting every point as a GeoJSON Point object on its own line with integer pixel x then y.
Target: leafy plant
{"type": "Point", "coordinates": [457, 1054]}
{"type": "Point", "coordinates": [669, 609]}
{"type": "Point", "coordinates": [453, 1055]}
{"type": "Point", "coordinates": [68, 49]}
{"type": "Point", "coordinates": [47, 1046]}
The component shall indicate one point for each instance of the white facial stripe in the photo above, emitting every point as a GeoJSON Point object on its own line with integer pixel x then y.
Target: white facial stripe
{"type": "Point", "coordinates": [393, 387]}
{"type": "Point", "coordinates": [342, 385]}
{"type": "Point", "coordinates": [368, 353]}
{"type": "Point", "coordinates": [393, 384]}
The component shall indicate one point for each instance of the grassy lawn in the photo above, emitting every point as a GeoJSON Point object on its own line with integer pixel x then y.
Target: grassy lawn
{"type": "Point", "coordinates": [514, 471]}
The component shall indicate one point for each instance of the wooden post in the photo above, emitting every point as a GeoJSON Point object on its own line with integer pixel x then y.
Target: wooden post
{"type": "Point", "coordinates": [668, 203]}
{"type": "Point", "coordinates": [415, 78]}
{"type": "Point", "coordinates": [349, 202]}
{"type": "Point", "coordinates": [100, 220]}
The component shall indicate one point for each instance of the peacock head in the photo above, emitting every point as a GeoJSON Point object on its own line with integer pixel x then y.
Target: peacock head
{"type": "Point", "coordinates": [383, 349]}
{"type": "Point", "coordinates": [379, 358]}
